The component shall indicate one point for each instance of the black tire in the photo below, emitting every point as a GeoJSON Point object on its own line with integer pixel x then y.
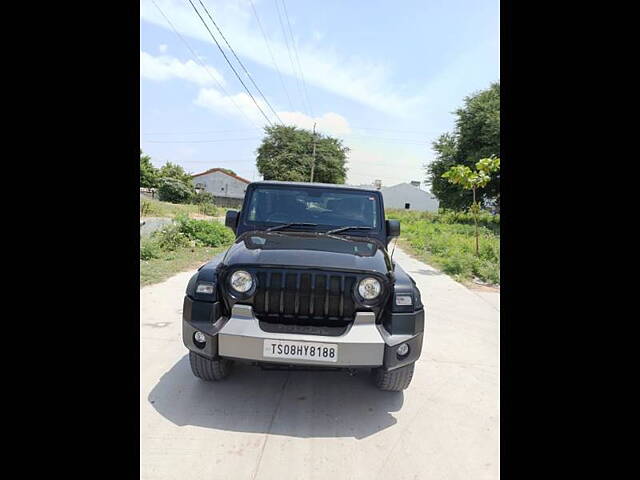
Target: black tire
{"type": "Point", "coordinates": [395, 380]}
{"type": "Point", "coordinates": [209, 370]}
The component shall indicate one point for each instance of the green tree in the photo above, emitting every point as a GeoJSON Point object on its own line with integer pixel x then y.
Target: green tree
{"type": "Point", "coordinates": [174, 191]}
{"type": "Point", "coordinates": [286, 154]}
{"type": "Point", "coordinates": [170, 170]}
{"type": "Point", "coordinates": [148, 173]}
{"type": "Point", "coordinates": [476, 136]}
{"type": "Point", "coordinates": [473, 180]}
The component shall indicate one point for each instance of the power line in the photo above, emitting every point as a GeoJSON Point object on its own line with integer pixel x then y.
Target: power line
{"type": "Point", "coordinates": [293, 67]}
{"type": "Point", "coordinates": [232, 68]}
{"type": "Point", "coordinates": [205, 132]}
{"type": "Point", "coordinates": [197, 59]}
{"type": "Point", "coordinates": [218, 140]}
{"type": "Point", "coordinates": [273, 59]}
{"type": "Point", "coordinates": [240, 62]}
{"type": "Point", "coordinates": [293, 41]}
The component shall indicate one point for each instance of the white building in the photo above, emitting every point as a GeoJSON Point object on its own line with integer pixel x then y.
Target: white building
{"type": "Point", "coordinates": [228, 189]}
{"type": "Point", "coordinates": [407, 196]}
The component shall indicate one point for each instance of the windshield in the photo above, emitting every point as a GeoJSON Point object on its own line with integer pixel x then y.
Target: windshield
{"type": "Point", "coordinates": [324, 207]}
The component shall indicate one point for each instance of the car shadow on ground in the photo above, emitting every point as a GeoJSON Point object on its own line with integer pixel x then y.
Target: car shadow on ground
{"type": "Point", "coordinates": [301, 404]}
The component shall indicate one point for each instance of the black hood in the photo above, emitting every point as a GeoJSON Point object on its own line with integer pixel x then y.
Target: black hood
{"type": "Point", "coordinates": [313, 250]}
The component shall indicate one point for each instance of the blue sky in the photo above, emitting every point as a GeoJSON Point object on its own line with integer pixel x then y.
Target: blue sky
{"type": "Point", "coordinates": [384, 76]}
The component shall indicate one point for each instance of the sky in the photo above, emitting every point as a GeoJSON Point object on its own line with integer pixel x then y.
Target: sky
{"type": "Point", "coordinates": [383, 76]}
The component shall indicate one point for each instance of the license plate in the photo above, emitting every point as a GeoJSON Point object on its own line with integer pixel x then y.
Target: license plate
{"type": "Point", "coordinates": [320, 352]}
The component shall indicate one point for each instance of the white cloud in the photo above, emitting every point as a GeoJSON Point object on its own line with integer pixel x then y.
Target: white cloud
{"type": "Point", "coordinates": [332, 123]}
{"type": "Point", "coordinates": [238, 104]}
{"type": "Point", "coordinates": [163, 48]}
{"type": "Point", "coordinates": [164, 67]}
{"type": "Point", "coordinates": [365, 81]}
{"type": "Point", "coordinates": [212, 99]}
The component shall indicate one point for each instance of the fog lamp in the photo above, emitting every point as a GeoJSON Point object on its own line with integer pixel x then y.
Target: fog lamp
{"type": "Point", "coordinates": [403, 350]}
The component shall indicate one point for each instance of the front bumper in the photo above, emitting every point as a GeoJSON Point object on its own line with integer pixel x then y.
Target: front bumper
{"type": "Point", "coordinates": [364, 344]}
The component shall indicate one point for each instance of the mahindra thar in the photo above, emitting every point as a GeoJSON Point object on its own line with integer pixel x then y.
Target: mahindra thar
{"type": "Point", "coordinates": [307, 284]}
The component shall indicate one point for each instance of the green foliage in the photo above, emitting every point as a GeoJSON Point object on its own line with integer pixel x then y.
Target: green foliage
{"type": "Point", "coordinates": [156, 208]}
{"type": "Point", "coordinates": [446, 239]}
{"type": "Point", "coordinates": [204, 232]}
{"type": "Point", "coordinates": [148, 173]}
{"type": "Point", "coordinates": [149, 248]}
{"type": "Point", "coordinates": [174, 191]}
{"type": "Point", "coordinates": [169, 170]}
{"type": "Point", "coordinates": [476, 136]}
{"type": "Point", "coordinates": [145, 208]}
{"type": "Point", "coordinates": [286, 154]}
{"type": "Point", "coordinates": [472, 180]}
{"type": "Point", "coordinates": [204, 200]}
{"type": "Point", "coordinates": [171, 237]}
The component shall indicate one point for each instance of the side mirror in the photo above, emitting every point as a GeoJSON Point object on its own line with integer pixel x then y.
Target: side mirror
{"type": "Point", "coordinates": [393, 228]}
{"type": "Point", "coordinates": [231, 219]}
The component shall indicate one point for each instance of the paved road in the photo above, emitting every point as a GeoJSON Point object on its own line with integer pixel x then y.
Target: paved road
{"type": "Point", "coordinates": [303, 425]}
{"type": "Point", "coordinates": [151, 224]}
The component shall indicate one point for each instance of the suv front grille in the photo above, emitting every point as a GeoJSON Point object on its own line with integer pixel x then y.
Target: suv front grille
{"type": "Point", "coordinates": [304, 297]}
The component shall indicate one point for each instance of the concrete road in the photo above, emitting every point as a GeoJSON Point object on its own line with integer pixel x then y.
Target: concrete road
{"type": "Point", "coordinates": [304, 425]}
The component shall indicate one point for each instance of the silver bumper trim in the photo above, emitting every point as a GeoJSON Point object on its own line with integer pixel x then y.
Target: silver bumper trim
{"type": "Point", "coordinates": [361, 345]}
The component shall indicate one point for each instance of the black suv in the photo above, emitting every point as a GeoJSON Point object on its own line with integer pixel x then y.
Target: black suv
{"type": "Point", "coordinates": [308, 283]}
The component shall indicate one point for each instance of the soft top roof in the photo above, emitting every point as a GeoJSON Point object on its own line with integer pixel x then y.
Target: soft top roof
{"type": "Point", "coordinates": [316, 185]}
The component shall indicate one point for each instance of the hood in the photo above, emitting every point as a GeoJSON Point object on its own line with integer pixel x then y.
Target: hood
{"type": "Point", "coordinates": [313, 250]}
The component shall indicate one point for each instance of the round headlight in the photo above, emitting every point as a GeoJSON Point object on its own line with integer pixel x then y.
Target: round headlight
{"type": "Point", "coordinates": [241, 281]}
{"type": "Point", "coordinates": [369, 288]}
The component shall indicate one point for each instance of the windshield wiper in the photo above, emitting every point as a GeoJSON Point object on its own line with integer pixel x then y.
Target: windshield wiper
{"type": "Point", "coordinates": [342, 229]}
{"type": "Point", "coordinates": [293, 224]}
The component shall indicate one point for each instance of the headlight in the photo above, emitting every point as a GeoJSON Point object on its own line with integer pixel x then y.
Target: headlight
{"type": "Point", "coordinates": [241, 281]}
{"type": "Point", "coordinates": [369, 288]}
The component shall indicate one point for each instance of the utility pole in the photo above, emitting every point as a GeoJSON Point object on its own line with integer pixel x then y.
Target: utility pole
{"type": "Point", "coordinates": [313, 162]}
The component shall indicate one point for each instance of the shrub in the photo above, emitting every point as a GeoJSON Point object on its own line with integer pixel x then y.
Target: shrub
{"type": "Point", "coordinates": [145, 208]}
{"type": "Point", "coordinates": [205, 232]}
{"type": "Point", "coordinates": [174, 191]}
{"type": "Point", "coordinates": [149, 248]}
{"type": "Point", "coordinates": [171, 238]}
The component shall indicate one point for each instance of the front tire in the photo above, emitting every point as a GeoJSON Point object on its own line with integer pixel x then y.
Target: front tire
{"type": "Point", "coordinates": [395, 380]}
{"type": "Point", "coordinates": [209, 370]}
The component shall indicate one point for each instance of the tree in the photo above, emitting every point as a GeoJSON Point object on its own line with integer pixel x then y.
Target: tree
{"type": "Point", "coordinates": [473, 180]}
{"type": "Point", "coordinates": [148, 173]}
{"type": "Point", "coordinates": [476, 136]}
{"type": "Point", "coordinates": [286, 154]}
{"type": "Point", "coordinates": [169, 170]}
{"type": "Point", "coordinates": [174, 191]}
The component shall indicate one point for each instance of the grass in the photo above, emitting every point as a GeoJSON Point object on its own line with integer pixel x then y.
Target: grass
{"type": "Point", "coordinates": [156, 270]}
{"type": "Point", "coordinates": [447, 241]}
{"type": "Point", "coordinates": [156, 208]}
{"type": "Point", "coordinates": [181, 246]}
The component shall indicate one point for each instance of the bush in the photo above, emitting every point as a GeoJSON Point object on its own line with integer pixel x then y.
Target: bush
{"type": "Point", "coordinates": [174, 191]}
{"type": "Point", "coordinates": [447, 239]}
{"type": "Point", "coordinates": [204, 200]}
{"type": "Point", "coordinates": [171, 238]}
{"type": "Point", "coordinates": [149, 249]}
{"type": "Point", "coordinates": [205, 232]}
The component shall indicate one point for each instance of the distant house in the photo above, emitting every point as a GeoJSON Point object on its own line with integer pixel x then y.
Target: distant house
{"type": "Point", "coordinates": [227, 189]}
{"type": "Point", "coordinates": [409, 196]}
{"type": "Point", "coordinates": [406, 196]}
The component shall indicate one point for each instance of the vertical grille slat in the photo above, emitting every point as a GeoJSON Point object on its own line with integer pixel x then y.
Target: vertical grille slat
{"type": "Point", "coordinates": [267, 293]}
{"type": "Point", "coordinates": [296, 307]}
{"type": "Point", "coordinates": [312, 296]}
{"type": "Point", "coordinates": [342, 296]}
{"type": "Point", "coordinates": [282, 288]}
